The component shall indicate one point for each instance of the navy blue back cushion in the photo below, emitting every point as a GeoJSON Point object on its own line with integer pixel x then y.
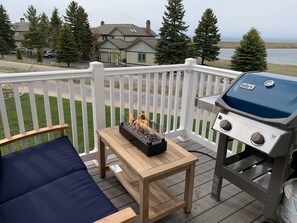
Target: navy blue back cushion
{"type": "Point", "coordinates": [75, 198]}
{"type": "Point", "coordinates": [33, 167]}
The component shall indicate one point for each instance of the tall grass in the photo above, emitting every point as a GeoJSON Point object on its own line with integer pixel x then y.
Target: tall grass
{"type": "Point", "coordinates": [290, 70]}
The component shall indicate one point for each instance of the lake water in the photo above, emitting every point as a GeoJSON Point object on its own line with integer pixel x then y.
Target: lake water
{"type": "Point", "coordinates": [276, 56]}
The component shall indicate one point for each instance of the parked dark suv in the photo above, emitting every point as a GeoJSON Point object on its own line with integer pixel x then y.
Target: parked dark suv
{"type": "Point", "coordinates": [49, 54]}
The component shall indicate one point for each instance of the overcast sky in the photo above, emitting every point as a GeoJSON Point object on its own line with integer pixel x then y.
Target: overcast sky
{"type": "Point", "coordinates": [275, 19]}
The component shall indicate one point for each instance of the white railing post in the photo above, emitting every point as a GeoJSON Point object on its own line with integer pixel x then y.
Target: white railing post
{"type": "Point", "coordinates": [98, 98]}
{"type": "Point", "coordinates": [188, 97]}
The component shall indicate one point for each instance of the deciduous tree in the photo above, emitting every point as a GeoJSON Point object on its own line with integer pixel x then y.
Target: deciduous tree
{"type": "Point", "coordinates": [94, 53]}
{"type": "Point", "coordinates": [251, 53]}
{"type": "Point", "coordinates": [67, 48]}
{"type": "Point", "coordinates": [7, 42]}
{"type": "Point", "coordinates": [172, 47]}
{"type": "Point", "coordinates": [207, 37]}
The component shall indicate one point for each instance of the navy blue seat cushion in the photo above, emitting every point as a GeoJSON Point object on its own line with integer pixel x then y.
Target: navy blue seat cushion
{"type": "Point", "coordinates": [75, 198]}
{"type": "Point", "coordinates": [33, 167]}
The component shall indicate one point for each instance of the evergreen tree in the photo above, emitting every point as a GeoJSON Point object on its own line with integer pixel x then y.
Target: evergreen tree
{"type": "Point", "coordinates": [3, 47]}
{"type": "Point", "coordinates": [44, 28]}
{"type": "Point", "coordinates": [38, 56]}
{"type": "Point", "coordinates": [55, 26]}
{"type": "Point", "coordinates": [34, 38]}
{"type": "Point", "coordinates": [67, 48]}
{"type": "Point", "coordinates": [207, 37]}
{"type": "Point", "coordinates": [251, 53]}
{"type": "Point", "coordinates": [19, 55]}
{"type": "Point", "coordinates": [85, 34]}
{"type": "Point", "coordinates": [7, 42]}
{"type": "Point", "coordinates": [77, 19]}
{"type": "Point", "coordinates": [172, 47]}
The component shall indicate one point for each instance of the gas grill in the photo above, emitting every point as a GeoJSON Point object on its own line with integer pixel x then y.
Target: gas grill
{"type": "Point", "coordinates": [259, 109]}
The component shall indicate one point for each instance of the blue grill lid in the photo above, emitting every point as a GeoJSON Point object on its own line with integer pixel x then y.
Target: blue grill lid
{"type": "Point", "coordinates": [261, 94]}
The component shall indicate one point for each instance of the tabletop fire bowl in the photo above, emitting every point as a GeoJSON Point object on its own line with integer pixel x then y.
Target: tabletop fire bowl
{"type": "Point", "coordinates": [143, 138]}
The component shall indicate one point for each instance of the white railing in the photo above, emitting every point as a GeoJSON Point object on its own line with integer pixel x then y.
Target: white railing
{"type": "Point", "coordinates": [165, 93]}
{"type": "Point", "coordinates": [35, 100]}
{"type": "Point", "coordinates": [204, 81]}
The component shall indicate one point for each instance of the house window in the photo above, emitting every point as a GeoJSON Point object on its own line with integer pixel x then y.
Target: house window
{"type": "Point", "coordinates": [104, 37]}
{"type": "Point", "coordinates": [141, 57]}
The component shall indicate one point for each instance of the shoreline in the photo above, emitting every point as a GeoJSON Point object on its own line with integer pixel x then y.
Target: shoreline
{"type": "Point", "coordinates": [269, 45]}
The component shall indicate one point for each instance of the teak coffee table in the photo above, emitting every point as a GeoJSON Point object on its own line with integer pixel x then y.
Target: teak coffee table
{"type": "Point", "coordinates": [141, 175]}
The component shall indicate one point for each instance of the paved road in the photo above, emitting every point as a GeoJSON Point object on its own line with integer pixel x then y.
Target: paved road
{"type": "Point", "coordinates": [49, 64]}
{"type": "Point", "coordinates": [29, 66]}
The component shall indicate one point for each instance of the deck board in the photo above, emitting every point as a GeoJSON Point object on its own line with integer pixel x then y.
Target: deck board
{"type": "Point", "coordinates": [235, 205]}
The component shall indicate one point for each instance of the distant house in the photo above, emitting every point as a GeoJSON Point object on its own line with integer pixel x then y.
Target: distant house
{"type": "Point", "coordinates": [113, 50]}
{"type": "Point", "coordinates": [141, 52]}
{"type": "Point", "coordinates": [126, 43]}
{"type": "Point", "coordinates": [20, 28]}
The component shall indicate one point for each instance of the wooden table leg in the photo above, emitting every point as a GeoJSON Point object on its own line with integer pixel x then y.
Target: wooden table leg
{"type": "Point", "coordinates": [189, 185]}
{"type": "Point", "coordinates": [102, 158]}
{"type": "Point", "coordinates": [144, 201]}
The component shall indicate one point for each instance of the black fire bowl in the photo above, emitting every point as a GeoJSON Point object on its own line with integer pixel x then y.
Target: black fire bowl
{"type": "Point", "coordinates": [148, 148]}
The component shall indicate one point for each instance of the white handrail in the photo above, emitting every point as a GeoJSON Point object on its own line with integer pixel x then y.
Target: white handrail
{"type": "Point", "coordinates": [164, 91]}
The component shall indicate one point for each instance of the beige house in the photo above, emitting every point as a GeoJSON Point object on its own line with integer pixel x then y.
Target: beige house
{"type": "Point", "coordinates": [20, 28]}
{"type": "Point", "coordinates": [126, 44]}
{"type": "Point", "coordinates": [141, 52]}
{"type": "Point", "coordinates": [113, 50]}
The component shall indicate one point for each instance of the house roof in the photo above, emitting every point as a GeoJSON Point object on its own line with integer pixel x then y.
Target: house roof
{"type": "Point", "coordinates": [132, 31]}
{"type": "Point", "coordinates": [126, 29]}
{"type": "Point", "coordinates": [119, 43]}
{"type": "Point", "coordinates": [21, 26]}
{"type": "Point", "coordinates": [151, 42]}
{"type": "Point", "coordinates": [122, 45]}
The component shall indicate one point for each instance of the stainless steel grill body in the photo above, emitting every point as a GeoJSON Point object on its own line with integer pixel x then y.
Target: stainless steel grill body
{"type": "Point", "coordinates": [259, 110]}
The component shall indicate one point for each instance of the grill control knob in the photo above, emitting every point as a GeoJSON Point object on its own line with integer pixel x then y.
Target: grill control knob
{"type": "Point", "coordinates": [257, 138]}
{"type": "Point", "coordinates": [225, 125]}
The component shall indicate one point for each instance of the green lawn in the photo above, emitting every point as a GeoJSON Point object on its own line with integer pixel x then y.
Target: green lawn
{"type": "Point", "coordinates": [14, 128]}
{"type": "Point", "coordinates": [13, 122]}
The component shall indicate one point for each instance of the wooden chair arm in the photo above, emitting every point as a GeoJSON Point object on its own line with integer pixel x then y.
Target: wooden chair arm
{"type": "Point", "coordinates": [33, 133]}
{"type": "Point", "coordinates": [124, 216]}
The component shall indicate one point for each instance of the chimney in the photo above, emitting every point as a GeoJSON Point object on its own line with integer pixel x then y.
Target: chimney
{"type": "Point", "coordinates": [148, 27]}
{"type": "Point", "coordinates": [22, 19]}
{"type": "Point", "coordinates": [102, 23]}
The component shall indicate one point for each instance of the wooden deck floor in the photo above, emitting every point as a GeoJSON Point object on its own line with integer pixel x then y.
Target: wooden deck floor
{"type": "Point", "coordinates": [235, 206]}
